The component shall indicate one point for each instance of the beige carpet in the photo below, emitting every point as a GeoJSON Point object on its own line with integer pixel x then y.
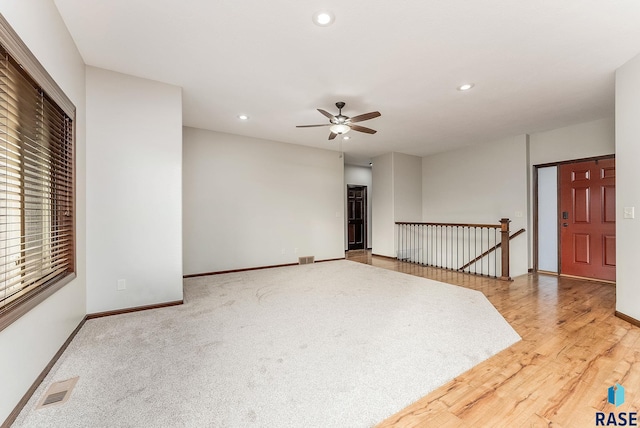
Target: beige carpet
{"type": "Point", "coordinates": [336, 344]}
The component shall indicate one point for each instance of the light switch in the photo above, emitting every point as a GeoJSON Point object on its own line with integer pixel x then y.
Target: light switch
{"type": "Point", "coordinates": [629, 212]}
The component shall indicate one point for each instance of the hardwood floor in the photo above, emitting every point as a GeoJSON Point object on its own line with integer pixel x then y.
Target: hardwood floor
{"type": "Point", "coordinates": [573, 349]}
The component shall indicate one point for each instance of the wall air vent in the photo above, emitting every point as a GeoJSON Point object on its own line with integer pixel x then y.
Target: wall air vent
{"type": "Point", "coordinates": [306, 260]}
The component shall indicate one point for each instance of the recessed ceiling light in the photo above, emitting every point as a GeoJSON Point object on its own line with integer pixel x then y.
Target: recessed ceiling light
{"type": "Point", "coordinates": [346, 137]}
{"type": "Point", "coordinates": [465, 87]}
{"type": "Point", "coordinates": [243, 117]}
{"type": "Point", "coordinates": [323, 18]}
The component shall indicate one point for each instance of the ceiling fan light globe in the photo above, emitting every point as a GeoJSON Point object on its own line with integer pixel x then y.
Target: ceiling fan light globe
{"type": "Point", "coordinates": [340, 129]}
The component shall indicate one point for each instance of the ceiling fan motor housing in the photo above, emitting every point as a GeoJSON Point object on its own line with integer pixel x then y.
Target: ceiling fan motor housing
{"type": "Point", "coordinates": [340, 118]}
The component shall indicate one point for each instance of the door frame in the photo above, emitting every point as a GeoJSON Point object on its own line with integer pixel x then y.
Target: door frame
{"type": "Point", "coordinates": [535, 245]}
{"type": "Point", "coordinates": [365, 223]}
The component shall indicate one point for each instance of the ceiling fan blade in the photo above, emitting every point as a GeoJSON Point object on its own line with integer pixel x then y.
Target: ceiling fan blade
{"type": "Point", "coordinates": [332, 135]}
{"type": "Point", "coordinates": [312, 126]}
{"type": "Point", "coordinates": [326, 113]}
{"type": "Point", "coordinates": [365, 116]}
{"type": "Point", "coordinates": [363, 129]}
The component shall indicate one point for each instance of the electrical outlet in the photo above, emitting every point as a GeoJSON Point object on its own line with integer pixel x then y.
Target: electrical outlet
{"type": "Point", "coordinates": [295, 250]}
{"type": "Point", "coordinates": [629, 212]}
{"type": "Point", "coordinates": [284, 251]}
{"type": "Point", "coordinates": [122, 285]}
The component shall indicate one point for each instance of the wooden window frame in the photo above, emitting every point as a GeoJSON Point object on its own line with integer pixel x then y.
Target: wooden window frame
{"type": "Point", "coordinates": [16, 48]}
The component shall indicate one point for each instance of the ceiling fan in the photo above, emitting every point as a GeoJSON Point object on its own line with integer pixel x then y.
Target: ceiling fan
{"type": "Point", "coordinates": [342, 124]}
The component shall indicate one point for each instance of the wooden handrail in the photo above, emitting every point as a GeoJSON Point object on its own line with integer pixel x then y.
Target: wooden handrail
{"type": "Point", "coordinates": [490, 226]}
{"type": "Point", "coordinates": [490, 250]}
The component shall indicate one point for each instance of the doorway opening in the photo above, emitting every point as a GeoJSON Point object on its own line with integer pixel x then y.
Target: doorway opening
{"type": "Point", "coordinates": [574, 218]}
{"type": "Point", "coordinates": [356, 217]}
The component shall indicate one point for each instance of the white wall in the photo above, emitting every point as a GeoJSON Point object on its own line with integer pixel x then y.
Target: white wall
{"type": "Point", "coordinates": [383, 217]}
{"type": "Point", "coordinates": [583, 140]}
{"type": "Point", "coordinates": [397, 189]}
{"type": "Point", "coordinates": [480, 184]}
{"type": "Point", "coordinates": [628, 187]}
{"type": "Point", "coordinates": [361, 176]}
{"type": "Point", "coordinates": [407, 187]}
{"type": "Point", "coordinates": [134, 191]}
{"type": "Point", "coordinates": [251, 202]}
{"type": "Point", "coordinates": [27, 345]}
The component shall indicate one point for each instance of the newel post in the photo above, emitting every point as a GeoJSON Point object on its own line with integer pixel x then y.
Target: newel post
{"type": "Point", "coordinates": [504, 244]}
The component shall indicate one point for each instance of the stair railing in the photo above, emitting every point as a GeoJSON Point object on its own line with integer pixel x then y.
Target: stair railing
{"type": "Point", "coordinates": [478, 249]}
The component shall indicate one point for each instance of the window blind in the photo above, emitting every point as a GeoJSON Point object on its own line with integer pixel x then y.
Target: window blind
{"type": "Point", "coordinates": [36, 187]}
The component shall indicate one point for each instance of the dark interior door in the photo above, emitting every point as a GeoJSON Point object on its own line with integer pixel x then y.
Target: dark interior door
{"type": "Point", "coordinates": [357, 217]}
{"type": "Point", "coordinates": [588, 219]}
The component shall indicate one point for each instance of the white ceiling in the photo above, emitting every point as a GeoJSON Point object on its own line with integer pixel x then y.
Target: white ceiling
{"type": "Point", "coordinates": [536, 64]}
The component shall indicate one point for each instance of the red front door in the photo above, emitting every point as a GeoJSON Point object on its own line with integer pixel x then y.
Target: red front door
{"type": "Point", "coordinates": [588, 219]}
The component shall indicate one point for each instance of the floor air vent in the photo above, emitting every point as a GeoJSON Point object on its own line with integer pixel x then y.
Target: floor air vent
{"type": "Point", "coordinates": [58, 393]}
{"type": "Point", "coordinates": [306, 260]}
